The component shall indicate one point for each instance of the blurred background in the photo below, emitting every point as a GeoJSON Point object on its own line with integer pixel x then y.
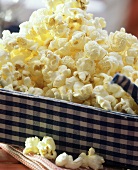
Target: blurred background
{"type": "Point", "coordinates": [117, 13]}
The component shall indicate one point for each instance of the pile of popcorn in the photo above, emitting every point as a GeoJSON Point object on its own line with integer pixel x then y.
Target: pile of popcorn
{"type": "Point", "coordinates": [47, 148]}
{"type": "Point", "coordinates": [63, 52]}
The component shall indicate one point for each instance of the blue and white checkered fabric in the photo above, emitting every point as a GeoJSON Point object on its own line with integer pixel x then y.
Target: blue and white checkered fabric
{"type": "Point", "coordinates": [127, 85]}
{"type": "Point", "coordinates": [74, 127]}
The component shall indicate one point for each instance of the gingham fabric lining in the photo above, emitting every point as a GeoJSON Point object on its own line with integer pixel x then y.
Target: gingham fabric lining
{"type": "Point", "coordinates": [74, 127]}
{"type": "Point", "coordinates": [127, 85]}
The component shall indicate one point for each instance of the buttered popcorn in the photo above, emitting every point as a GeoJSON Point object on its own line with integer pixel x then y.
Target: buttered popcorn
{"type": "Point", "coordinates": [64, 52]}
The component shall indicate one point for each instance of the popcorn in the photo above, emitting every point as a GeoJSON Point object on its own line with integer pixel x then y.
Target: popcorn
{"type": "Point", "coordinates": [31, 145]}
{"type": "Point", "coordinates": [62, 160]}
{"type": "Point", "coordinates": [65, 160]}
{"type": "Point", "coordinates": [134, 76]}
{"type": "Point", "coordinates": [6, 74]}
{"type": "Point", "coordinates": [4, 57]}
{"type": "Point", "coordinates": [69, 62]}
{"type": "Point", "coordinates": [133, 50]}
{"type": "Point", "coordinates": [81, 91]}
{"type": "Point", "coordinates": [94, 51]}
{"type": "Point", "coordinates": [35, 91]}
{"type": "Point", "coordinates": [57, 43]}
{"type": "Point", "coordinates": [25, 27]}
{"type": "Point", "coordinates": [86, 64]}
{"type": "Point", "coordinates": [64, 52]}
{"type": "Point", "coordinates": [118, 40]}
{"type": "Point", "coordinates": [27, 81]}
{"type": "Point", "coordinates": [119, 59]}
{"type": "Point", "coordinates": [71, 81]}
{"type": "Point", "coordinates": [59, 81]}
{"type": "Point", "coordinates": [61, 30]}
{"type": "Point", "coordinates": [58, 77]}
{"type": "Point", "coordinates": [66, 94]}
{"type": "Point", "coordinates": [50, 60]}
{"type": "Point", "coordinates": [38, 16]}
{"type": "Point", "coordinates": [9, 40]}
{"type": "Point", "coordinates": [78, 40]}
{"type": "Point", "coordinates": [54, 92]}
{"type": "Point", "coordinates": [47, 147]}
{"type": "Point", "coordinates": [91, 160]}
{"type": "Point", "coordinates": [9, 87]}
{"type": "Point", "coordinates": [99, 22]}
{"type": "Point", "coordinates": [105, 104]}
{"type": "Point", "coordinates": [124, 105]}
{"type": "Point", "coordinates": [111, 64]}
{"type": "Point", "coordinates": [76, 4]}
{"type": "Point", "coordinates": [84, 76]}
{"type": "Point", "coordinates": [127, 70]}
{"type": "Point", "coordinates": [100, 90]}
{"type": "Point", "coordinates": [27, 44]}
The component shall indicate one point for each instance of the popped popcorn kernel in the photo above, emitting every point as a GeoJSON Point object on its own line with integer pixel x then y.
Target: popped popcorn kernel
{"type": "Point", "coordinates": [94, 51]}
{"type": "Point", "coordinates": [46, 148]}
{"type": "Point", "coordinates": [31, 145]}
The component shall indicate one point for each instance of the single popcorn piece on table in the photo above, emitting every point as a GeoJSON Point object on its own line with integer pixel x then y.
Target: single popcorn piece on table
{"type": "Point", "coordinates": [92, 160]}
{"type": "Point", "coordinates": [65, 160]}
{"type": "Point", "coordinates": [47, 148]}
{"type": "Point", "coordinates": [31, 145]}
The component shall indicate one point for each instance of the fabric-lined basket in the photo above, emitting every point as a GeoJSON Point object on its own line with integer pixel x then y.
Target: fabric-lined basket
{"type": "Point", "coordinates": [74, 127]}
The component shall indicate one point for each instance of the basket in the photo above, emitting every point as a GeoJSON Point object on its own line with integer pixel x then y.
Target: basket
{"type": "Point", "coordinates": [74, 127]}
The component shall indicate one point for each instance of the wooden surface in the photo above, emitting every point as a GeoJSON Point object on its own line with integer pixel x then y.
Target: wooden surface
{"type": "Point", "coordinates": [8, 162]}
